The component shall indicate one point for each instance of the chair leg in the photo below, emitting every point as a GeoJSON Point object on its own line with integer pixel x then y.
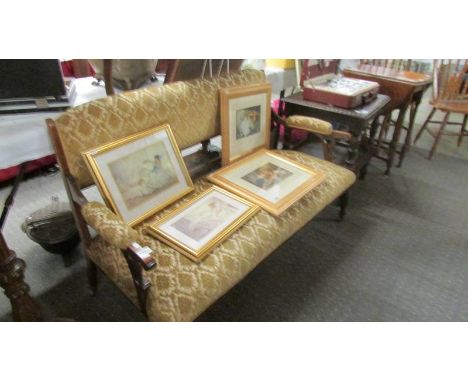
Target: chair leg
{"type": "Point", "coordinates": [424, 126]}
{"type": "Point", "coordinates": [439, 134]}
{"type": "Point", "coordinates": [462, 130]}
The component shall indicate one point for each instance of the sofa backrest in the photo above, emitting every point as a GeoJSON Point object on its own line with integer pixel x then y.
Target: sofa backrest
{"type": "Point", "coordinates": [191, 108]}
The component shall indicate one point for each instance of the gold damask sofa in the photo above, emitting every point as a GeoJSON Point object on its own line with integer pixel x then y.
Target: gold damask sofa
{"type": "Point", "coordinates": [166, 285]}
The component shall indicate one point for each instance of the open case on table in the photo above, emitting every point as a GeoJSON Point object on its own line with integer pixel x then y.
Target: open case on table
{"type": "Point", "coordinates": [320, 83]}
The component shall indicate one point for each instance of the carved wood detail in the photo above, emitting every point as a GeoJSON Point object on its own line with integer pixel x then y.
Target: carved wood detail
{"type": "Point", "coordinates": [24, 307]}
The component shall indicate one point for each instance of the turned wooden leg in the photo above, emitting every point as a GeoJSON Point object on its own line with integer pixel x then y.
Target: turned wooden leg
{"type": "Point", "coordinates": [462, 130]}
{"type": "Point", "coordinates": [91, 271]}
{"type": "Point", "coordinates": [24, 307]}
{"type": "Point", "coordinates": [343, 202]}
{"type": "Point", "coordinates": [439, 134]}
{"type": "Point", "coordinates": [424, 126]}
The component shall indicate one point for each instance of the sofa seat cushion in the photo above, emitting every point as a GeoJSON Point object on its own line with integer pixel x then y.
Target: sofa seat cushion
{"type": "Point", "coordinates": [181, 289]}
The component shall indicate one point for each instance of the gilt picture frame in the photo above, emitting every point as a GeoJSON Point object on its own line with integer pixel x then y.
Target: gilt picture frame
{"type": "Point", "coordinates": [140, 174]}
{"type": "Point", "coordinates": [245, 120]}
{"type": "Point", "coordinates": [268, 179]}
{"type": "Point", "coordinates": [198, 226]}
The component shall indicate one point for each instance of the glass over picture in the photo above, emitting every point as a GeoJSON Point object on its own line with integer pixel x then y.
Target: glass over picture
{"type": "Point", "coordinates": [143, 173]}
{"type": "Point", "coordinates": [247, 122]}
{"type": "Point", "coordinates": [205, 218]}
{"type": "Point", "coordinates": [267, 176]}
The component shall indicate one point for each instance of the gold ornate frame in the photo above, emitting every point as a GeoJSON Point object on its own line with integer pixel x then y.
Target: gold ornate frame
{"type": "Point", "coordinates": [203, 251]}
{"type": "Point", "coordinates": [225, 95]}
{"type": "Point", "coordinates": [90, 155]}
{"type": "Point", "coordinates": [279, 207]}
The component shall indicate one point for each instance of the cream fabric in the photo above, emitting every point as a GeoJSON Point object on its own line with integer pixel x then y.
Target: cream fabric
{"type": "Point", "coordinates": [313, 125]}
{"type": "Point", "coordinates": [105, 120]}
{"type": "Point", "coordinates": [181, 289]}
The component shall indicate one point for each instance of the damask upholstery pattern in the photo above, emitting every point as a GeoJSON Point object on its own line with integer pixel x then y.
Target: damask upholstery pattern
{"type": "Point", "coordinates": [111, 228]}
{"type": "Point", "coordinates": [311, 124]}
{"type": "Point", "coordinates": [181, 289]}
{"type": "Point", "coordinates": [108, 119]}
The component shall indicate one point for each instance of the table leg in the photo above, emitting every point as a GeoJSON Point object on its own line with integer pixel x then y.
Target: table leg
{"type": "Point", "coordinates": [353, 149]}
{"type": "Point", "coordinates": [370, 145]}
{"type": "Point", "coordinates": [374, 128]}
{"type": "Point", "coordinates": [409, 133]}
{"type": "Point", "coordinates": [395, 138]}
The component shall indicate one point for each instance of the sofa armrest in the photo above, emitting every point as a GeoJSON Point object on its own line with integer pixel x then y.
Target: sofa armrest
{"type": "Point", "coordinates": [115, 232]}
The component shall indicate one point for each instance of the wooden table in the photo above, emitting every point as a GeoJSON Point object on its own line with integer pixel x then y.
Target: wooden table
{"type": "Point", "coordinates": [405, 89]}
{"type": "Point", "coordinates": [356, 120]}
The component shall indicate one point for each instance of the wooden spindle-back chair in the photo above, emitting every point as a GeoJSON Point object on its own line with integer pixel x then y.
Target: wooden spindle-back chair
{"type": "Point", "coordinates": [185, 70]}
{"type": "Point", "coordinates": [450, 95]}
{"type": "Point", "coordinates": [396, 64]}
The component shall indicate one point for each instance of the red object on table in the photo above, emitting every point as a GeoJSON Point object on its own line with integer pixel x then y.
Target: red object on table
{"type": "Point", "coordinates": [320, 83]}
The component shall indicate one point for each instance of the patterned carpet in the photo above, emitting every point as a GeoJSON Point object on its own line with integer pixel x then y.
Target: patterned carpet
{"type": "Point", "coordinates": [400, 255]}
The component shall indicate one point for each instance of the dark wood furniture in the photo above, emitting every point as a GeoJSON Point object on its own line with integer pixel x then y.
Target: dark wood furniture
{"type": "Point", "coordinates": [12, 268]}
{"type": "Point", "coordinates": [450, 96]}
{"type": "Point", "coordinates": [24, 307]}
{"type": "Point", "coordinates": [356, 121]}
{"type": "Point", "coordinates": [405, 90]}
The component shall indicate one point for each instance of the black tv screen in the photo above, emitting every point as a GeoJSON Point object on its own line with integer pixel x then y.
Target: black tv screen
{"type": "Point", "coordinates": [31, 79]}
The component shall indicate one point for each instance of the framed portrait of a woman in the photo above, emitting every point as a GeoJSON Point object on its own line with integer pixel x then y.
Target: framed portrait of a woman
{"type": "Point", "coordinates": [245, 120]}
{"type": "Point", "coordinates": [140, 174]}
{"type": "Point", "coordinates": [205, 221]}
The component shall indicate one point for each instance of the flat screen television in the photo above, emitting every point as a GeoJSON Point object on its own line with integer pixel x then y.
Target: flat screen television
{"type": "Point", "coordinates": [29, 85]}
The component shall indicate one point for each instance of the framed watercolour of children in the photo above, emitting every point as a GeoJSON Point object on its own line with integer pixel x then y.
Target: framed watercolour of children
{"type": "Point", "coordinates": [140, 174]}
{"type": "Point", "coordinates": [245, 120]}
{"type": "Point", "coordinates": [268, 179]}
{"type": "Point", "coordinates": [205, 221]}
